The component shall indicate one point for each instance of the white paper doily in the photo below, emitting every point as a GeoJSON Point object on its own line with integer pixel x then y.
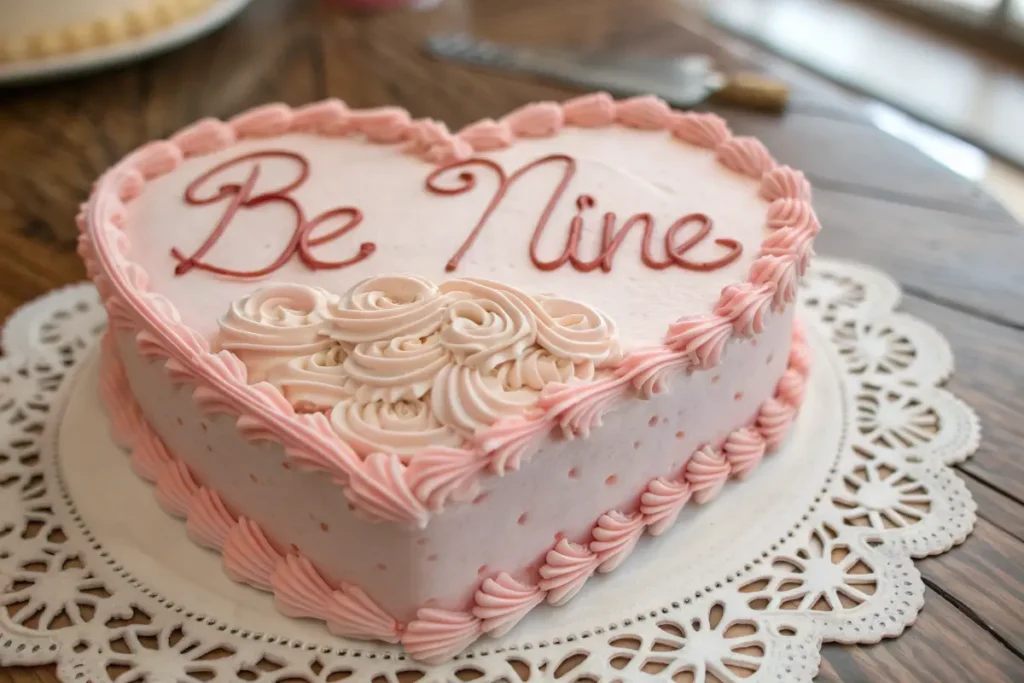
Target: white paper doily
{"type": "Point", "coordinates": [815, 546]}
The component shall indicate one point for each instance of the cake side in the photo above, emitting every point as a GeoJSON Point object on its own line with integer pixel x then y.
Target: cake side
{"type": "Point", "coordinates": [498, 596]}
{"type": "Point", "coordinates": [383, 486]}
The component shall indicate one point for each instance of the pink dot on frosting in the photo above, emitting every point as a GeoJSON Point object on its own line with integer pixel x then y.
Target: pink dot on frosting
{"type": "Point", "coordinates": [351, 507]}
{"type": "Point", "coordinates": [636, 445]}
{"type": "Point", "coordinates": [421, 541]}
{"type": "Point", "coordinates": [573, 473]}
{"type": "Point", "coordinates": [209, 448]}
{"type": "Point", "coordinates": [653, 421]}
{"type": "Point", "coordinates": [680, 435]}
{"type": "Point", "coordinates": [559, 535]}
{"type": "Point", "coordinates": [611, 479]}
{"type": "Point", "coordinates": [381, 566]}
{"type": "Point", "coordinates": [295, 548]}
{"type": "Point", "coordinates": [768, 361]}
{"type": "Point", "coordinates": [738, 395]}
{"type": "Point", "coordinates": [287, 465]}
{"type": "Point", "coordinates": [204, 426]}
{"type": "Point", "coordinates": [482, 570]}
{"type": "Point", "coordinates": [714, 380]}
{"type": "Point", "coordinates": [753, 342]}
{"type": "Point", "coordinates": [254, 479]}
{"type": "Point", "coordinates": [481, 498]}
{"type": "Point", "coordinates": [180, 423]}
{"type": "Point", "coordinates": [431, 558]}
{"type": "Point", "coordinates": [522, 518]}
{"type": "Point", "coordinates": [324, 527]}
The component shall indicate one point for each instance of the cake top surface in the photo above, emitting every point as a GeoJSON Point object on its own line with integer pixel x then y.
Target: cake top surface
{"type": "Point", "coordinates": [377, 197]}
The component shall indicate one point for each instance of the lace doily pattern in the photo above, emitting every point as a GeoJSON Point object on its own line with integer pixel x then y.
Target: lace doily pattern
{"type": "Point", "coordinates": [843, 572]}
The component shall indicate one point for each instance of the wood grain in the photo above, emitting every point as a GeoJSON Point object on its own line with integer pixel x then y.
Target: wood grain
{"type": "Point", "coordinates": [953, 248]}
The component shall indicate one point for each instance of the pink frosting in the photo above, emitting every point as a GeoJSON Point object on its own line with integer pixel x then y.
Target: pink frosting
{"type": "Point", "coordinates": [795, 213]}
{"type": "Point", "coordinates": [648, 370]}
{"type": "Point", "coordinates": [784, 182]}
{"type": "Point", "coordinates": [385, 124]}
{"type": "Point", "coordinates": [380, 488]}
{"type": "Point", "coordinates": [773, 421]}
{"type": "Point", "coordinates": [209, 522]}
{"type": "Point", "coordinates": [800, 358]}
{"type": "Point", "coordinates": [645, 112]}
{"type": "Point", "coordinates": [501, 602]}
{"type": "Point", "coordinates": [149, 455]}
{"type": "Point", "coordinates": [269, 120]}
{"type": "Point", "coordinates": [780, 272]}
{"type": "Point", "coordinates": [702, 130]}
{"type": "Point", "coordinates": [745, 155]}
{"type": "Point", "coordinates": [535, 120]}
{"type": "Point", "coordinates": [487, 134]}
{"type": "Point", "coordinates": [248, 556]}
{"type": "Point", "coordinates": [175, 488]}
{"type": "Point", "coordinates": [702, 336]}
{"type": "Point", "coordinates": [158, 158]}
{"type": "Point", "coordinates": [437, 634]}
{"type": "Point", "coordinates": [615, 536]}
{"type": "Point", "coordinates": [791, 387]}
{"type": "Point", "coordinates": [327, 117]}
{"type": "Point", "coordinates": [566, 568]}
{"type": "Point", "coordinates": [662, 502]}
{"type": "Point", "coordinates": [706, 471]}
{"type": "Point", "coordinates": [441, 473]}
{"type": "Point", "coordinates": [745, 306]}
{"type": "Point", "coordinates": [743, 449]}
{"type": "Point", "coordinates": [299, 590]}
{"type": "Point", "coordinates": [790, 242]}
{"type": "Point", "coordinates": [352, 614]}
{"type": "Point", "coordinates": [510, 440]}
{"type": "Point", "coordinates": [125, 417]}
{"type": "Point", "coordinates": [580, 408]}
{"type": "Point", "coordinates": [590, 111]}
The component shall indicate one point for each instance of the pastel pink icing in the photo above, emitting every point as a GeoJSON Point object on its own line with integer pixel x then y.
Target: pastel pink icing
{"type": "Point", "coordinates": [501, 602]}
{"type": "Point", "coordinates": [437, 634]}
{"type": "Point", "coordinates": [703, 337]}
{"type": "Point", "coordinates": [662, 502]}
{"type": "Point", "coordinates": [645, 112]}
{"type": "Point", "coordinates": [701, 129]}
{"type": "Point", "coordinates": [789, 212]}
{"type": "Point", "coordinates": [590, 111]}
{"type": "Point", "coordinates": [615, 536]}
{"type": "Point", "coordinates": [567, 567]}
{"type": "Point", "coordinates": [706, 471]}
{"type": "Point", "coordinates": [745, 306]}
{"type": "Point", "coordinates": [783, 182]}
{"type": "Point", "coordinates": [745, 155]}
{"type": "Point", "coordinates": [773, 422]}
{"type": "Point", "coordinates": [743, 449]}
{"type": "Point", "coordinates": [248, 556]}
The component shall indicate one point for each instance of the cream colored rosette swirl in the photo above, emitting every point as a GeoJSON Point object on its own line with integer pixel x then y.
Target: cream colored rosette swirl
{"type": "Point", "coordinates": [574, 331]}
{"type": "Point", "coordinates": [314, 382]}
{"type": "Point", "coordinates": [394, 369]}
{"type": "Point", "coordinates": [275, 324]}
{"type": "Point", "coordinates": [386, 307]}
{"type": "Point", "coordinates": [401, 427]}
{"type": "Point", "coordinates": [486, 323]}
{"type": "Point", "coordinates": [466, 400]}
{"type": "Point", "coordinates": [538, 367]}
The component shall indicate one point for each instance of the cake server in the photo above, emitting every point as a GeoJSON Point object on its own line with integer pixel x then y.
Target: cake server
{"type": "Point", "coordinates": [682, 81]}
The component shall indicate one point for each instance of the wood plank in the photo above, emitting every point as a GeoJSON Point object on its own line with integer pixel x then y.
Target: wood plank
{"type": "Point", "coordinates": [982, 578]}
{"type": "Point", "coordinates": [988, 376]}
{"type": "Point", "coordinates": [942, 645]}
{"type": "Point", "coordinates": [915, 244]}
{"type": "Point", "coordinates": [995, 507]}
{"type": "Point", "coordinates": [861, 159]}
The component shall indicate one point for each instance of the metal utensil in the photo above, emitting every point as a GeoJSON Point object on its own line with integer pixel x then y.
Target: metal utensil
{"type": "Point", "coordinates": [682, 81]}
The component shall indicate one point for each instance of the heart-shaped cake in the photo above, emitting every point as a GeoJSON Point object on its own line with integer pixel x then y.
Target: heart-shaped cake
{"type": "Point", "coordinates": [416, 383]}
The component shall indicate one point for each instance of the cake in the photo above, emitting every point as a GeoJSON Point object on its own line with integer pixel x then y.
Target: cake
{"type": "Point", "coordinates": [416, 383]}
{"type": "Point", "coordinates": [35, 29]}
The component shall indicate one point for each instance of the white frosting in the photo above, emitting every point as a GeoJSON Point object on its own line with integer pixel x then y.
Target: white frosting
{"type": "Point", "coordinates": [627, 171]}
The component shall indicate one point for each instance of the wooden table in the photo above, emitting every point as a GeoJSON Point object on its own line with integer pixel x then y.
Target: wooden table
{"type": "Point", "coordinates": [956, 251]}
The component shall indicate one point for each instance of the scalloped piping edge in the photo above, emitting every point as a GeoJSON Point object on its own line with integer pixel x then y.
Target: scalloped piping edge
{"type": "Point", "coordinates": [501, 601]}
{"type": "Point", "coordinates": [380, 486]}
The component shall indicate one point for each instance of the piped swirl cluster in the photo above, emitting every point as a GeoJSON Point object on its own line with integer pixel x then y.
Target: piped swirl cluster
{"type": "Point", "coordinates": [402, 364]}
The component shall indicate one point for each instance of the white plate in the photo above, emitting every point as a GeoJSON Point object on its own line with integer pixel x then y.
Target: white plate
{"type": "Point", "coordinates": [175, 35]}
